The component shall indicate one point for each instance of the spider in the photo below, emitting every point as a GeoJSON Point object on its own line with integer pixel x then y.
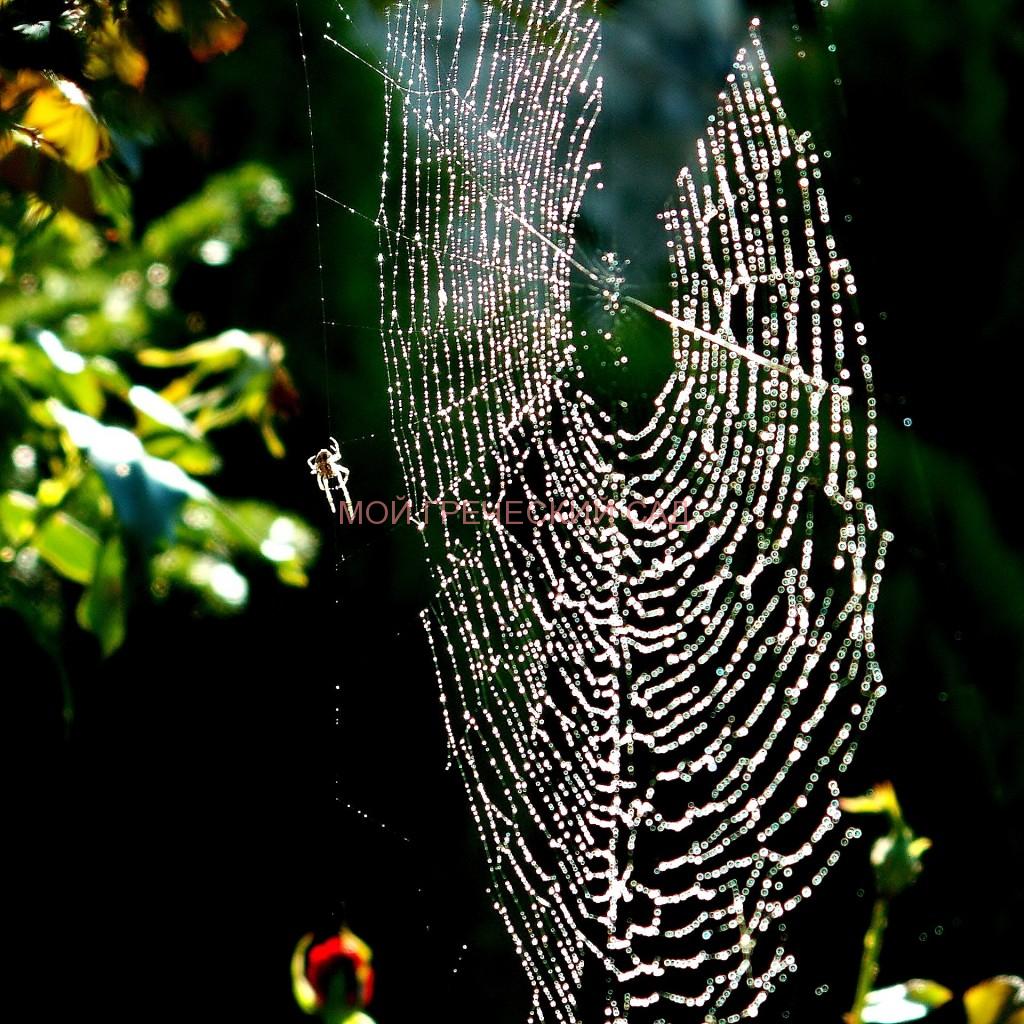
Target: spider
{"type": "Point", "coordinates": [331, 475]}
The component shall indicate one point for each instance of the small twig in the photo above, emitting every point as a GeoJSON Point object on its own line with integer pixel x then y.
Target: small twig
{"type": "Point", "coordinates": [869, 961]}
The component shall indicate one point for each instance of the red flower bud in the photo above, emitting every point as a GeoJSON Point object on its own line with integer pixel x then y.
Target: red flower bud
{"type": "Point", "coordinates": [343, 954]}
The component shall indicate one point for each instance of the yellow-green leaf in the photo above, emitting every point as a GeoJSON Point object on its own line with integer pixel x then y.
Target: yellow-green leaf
{"type": "Point", "coordinates": [68, 546]}
{"type": "Point", "coordinates": [928, 993]}
{"type": "Point", "coordinates": [194, 457]}
{"type": "Point", "coordinates": [880, 800]}
{"type": "Point", "coordinates": [59, 118]}
{"type": "Point", "coordinates": [17, 516]}
{"type": "Point", "coordinates": [995, 1001]}
{"type": "Point", "coordinates": [304, 993]}
{"type": "Point", "coordinates": [918, 846]}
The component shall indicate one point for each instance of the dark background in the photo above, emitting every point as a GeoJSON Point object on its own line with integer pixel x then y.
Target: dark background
{"type": "Point", "coordinates": [204, 812]}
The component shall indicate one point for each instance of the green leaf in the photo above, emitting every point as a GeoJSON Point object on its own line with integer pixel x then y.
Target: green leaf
{"type": "Point", "coordinates": [102, 608]}
{"type": "Point", "coordinates": [68, 546]}
{"type": "Point", "coordinates": [17, 516]}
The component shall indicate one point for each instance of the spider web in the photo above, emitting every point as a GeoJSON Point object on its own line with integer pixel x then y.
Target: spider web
{"type": "Point", "coordinates": [649, 716]}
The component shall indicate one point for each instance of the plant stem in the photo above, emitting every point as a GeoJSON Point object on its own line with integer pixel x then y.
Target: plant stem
{"type": "Point", "coordinates": [869, 961]}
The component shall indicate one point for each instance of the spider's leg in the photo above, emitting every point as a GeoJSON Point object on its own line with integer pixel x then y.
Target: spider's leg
{"type": "Point", "coordinates": [337, 447]}
{"type": "Point", "coordinates": [330, 500]}
{"type": "Point", "coordinates": [346, 496]}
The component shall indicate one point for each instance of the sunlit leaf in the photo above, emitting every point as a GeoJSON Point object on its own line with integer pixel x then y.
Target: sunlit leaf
{"type": "Point", "coordinates": [101, 609]}
{"type": "Point", "coordinates": [249, 384]}
{"type": "Point", "coordinates": [899, 1003]}
{"type": "Point", "coordinates": [59, 118]}
{"type": "Point", "coordinates": [147, 492]}
{"type": "Point", "coordinates": [52, 491]}
{"type": "Point", "coordinates": [928, 993]}
{"type": "Point", "coordinates": [996, 1001]}
{"type": "Point", "coordinates": [30, 364]}
{"type": "Point", "coordinates": [918, 846]}
{"type": "Point", "coordinates": [219, 353]}
{"type": "Point", "coordinates": [17, 516]}
{"type": "Point", "coordinates": [880, 800]}
{"type": "Point", "coordinates": [304, 993]}
{"type": "Point", "coordinates": [53, 369]}
{"type": "Point", "coordinates": [63, 359]}
{"type": "Point", "coordinates": [67, 546]}
{"type": "Point", "coordinates": [157, 409]}
{"type": "Point", "coordinates": [292, 575]}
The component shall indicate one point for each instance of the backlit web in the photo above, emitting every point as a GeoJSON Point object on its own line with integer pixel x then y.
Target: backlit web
{"type": "Point", "coordinates": [650, 716]}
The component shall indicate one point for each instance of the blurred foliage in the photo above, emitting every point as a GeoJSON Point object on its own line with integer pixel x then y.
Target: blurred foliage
{"type": "Point", "coordinates": [896, 859]}
{"type": "Point", "coordinates": [103, 446]}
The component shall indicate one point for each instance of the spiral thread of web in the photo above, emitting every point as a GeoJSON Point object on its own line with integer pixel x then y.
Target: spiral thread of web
{"type": "Point", "coordinates": [650, 712]}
